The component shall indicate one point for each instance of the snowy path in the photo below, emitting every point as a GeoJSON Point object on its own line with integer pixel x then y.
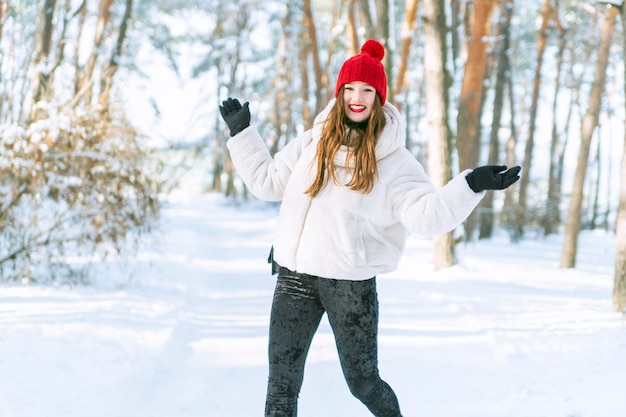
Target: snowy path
{"type": "Point", "coordinates": [504, 334]}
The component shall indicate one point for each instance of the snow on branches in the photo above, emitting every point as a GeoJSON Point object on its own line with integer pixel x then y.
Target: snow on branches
{"type": "Point", "coordinates": [73, 185]}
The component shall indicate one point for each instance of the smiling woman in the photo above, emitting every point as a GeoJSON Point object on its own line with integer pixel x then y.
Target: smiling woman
{"type": "Point", "coordinates": [351, 191]}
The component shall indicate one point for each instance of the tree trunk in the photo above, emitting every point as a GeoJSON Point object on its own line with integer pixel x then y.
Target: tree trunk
{"type": "Point", "coordinates": [509, 207]}
{"type": "Point", "coordinates": [456, 22]}
{"type": "Point", "coordinates": [542, 37]}
{"type": "Point", "coordinates": [468, 141]}
{"type": "Point", "coordinates": [106, 79]}
{"type": "Point", "coordinates": [282, 82]}
{"type": "Point", "coordinates": [408, 30]}
{"type": "Point", "coordinates": [471, 99]}
{"type": "Point", "coordinates": [382, 27]}
{"type": "Point", "coordinates": [589, 122]}
{"type": "Point", "coordinates": [382, 33]}
{"type": "Point", "coordinates": [552, 217]}
{"type": "Point", "coordinates": [321, 81]}
{"type": "Point", "coordinates": [44, 81]}
{"type": "Point", "coordinates": [436, 77]}
{"type": "Point", "coordinates": [44, 40]}
{"type": "Point", "coordinates": [609, 190]}
{"type": "Point", "coordinates": [576, 83]}
{"type": "Point", "coordinates": [595, 203]}
{"type": "Point", "coordinates": [619, 279]}
{"type": "Point", "coordinates": [216, 184]}
{"type": "Point", "coordinates": [353, 27]}
{"type": "Point", "coordinates": [229, 170]}
{"type": "Point", "coordinates": [304, 49]}
{"type": "Point", "coordinates": [366, 19]}
{"type": "Point", "coordinates": [486, 215]}
{"type": "Point", "coordinates": [85, 90]}
{"type": "Point", "coordinates": [228, 64]}
{"type": "Point", "coordinates": [82, 17]}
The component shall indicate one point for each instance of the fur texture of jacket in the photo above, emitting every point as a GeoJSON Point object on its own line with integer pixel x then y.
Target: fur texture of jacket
{"type": "Point", "coordinates": [341, 233]}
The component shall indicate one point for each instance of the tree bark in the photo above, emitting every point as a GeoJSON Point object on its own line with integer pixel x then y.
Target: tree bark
{"type": "Point", "coordinates": [619, 279]}
{"type": "Point", "coordinates": [321, 81]}
{"type": "Point", "coordinates": [468, 140]}
{"type": "Point", "coordinates": [85, 90]}
{"type": "Point", "coordinates": [502, 68]}
{"type": "Point", "coordinates": [44, 40]}
{"type": "Point", "coordinates": [106, 79]}
{"type": "Point", "coordinates": [588, 124]}
{"type": "Point", "coordinates": [542, 38]}
{"type": "Point", "coordinates": [305, 87]}
{"type": "Point", "coordinates": [408, 31]}
{"type": "Point", "coordinates": [436, 77]}
{"type": "Point", "coordinates": [366, 18]}
{"type": "Point", "coordinates": [382, 33]}
{"type": "Point", "coordinates": [456, 24]}
{"type": "Point", "coordinates": [508, 214]}
{"type": "Point", "coordinates": [552, 217]}
{"type": "Point", "coordinates": [353, 27]}
{"type": "Point", "coordinates": [595, 198]}
{"type": "Point", "coordinates": [82, 13]}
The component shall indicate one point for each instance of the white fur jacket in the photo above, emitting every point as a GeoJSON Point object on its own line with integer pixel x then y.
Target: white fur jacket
{"type": "Point", "coordinates": [341, 233]}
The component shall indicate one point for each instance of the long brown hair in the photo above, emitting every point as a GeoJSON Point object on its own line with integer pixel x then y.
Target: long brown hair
{"type": "Point", "coordinates": [361, 143]}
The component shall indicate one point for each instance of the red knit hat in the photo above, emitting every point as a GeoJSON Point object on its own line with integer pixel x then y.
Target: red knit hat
{"type": "Point", "coordinates": [366, 67]}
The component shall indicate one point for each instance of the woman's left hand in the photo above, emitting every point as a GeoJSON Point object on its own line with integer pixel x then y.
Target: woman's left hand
{"type": "Point", "coordinates": [492, 177]}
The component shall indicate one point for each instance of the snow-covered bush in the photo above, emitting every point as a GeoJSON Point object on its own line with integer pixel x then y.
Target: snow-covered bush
{"type": "Point", "coordinates": [74, 186]}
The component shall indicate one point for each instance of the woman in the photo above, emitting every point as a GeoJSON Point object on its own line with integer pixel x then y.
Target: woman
{"type": "Point", "coordinates": [351, 192]}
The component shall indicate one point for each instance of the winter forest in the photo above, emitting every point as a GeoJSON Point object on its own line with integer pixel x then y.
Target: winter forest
{"type": "Point", "coordinates": [111, 144]}
{"type": "Point", "coordinates": [533, 83]}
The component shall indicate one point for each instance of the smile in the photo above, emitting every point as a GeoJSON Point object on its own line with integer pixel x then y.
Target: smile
{"type": "Point", "coordinates": [357, 108]}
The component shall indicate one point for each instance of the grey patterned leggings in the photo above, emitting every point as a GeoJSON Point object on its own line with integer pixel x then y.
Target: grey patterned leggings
{"type": "Point", "coordinates": [352, 306]}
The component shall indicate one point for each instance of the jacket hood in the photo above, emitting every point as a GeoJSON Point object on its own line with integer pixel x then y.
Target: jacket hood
{"type": "Point", "coordinates": [391, 139]}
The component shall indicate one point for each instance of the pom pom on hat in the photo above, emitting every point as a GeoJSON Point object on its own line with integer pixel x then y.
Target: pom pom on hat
{"type": "Point", "coordinates": [365, 67]}
{"type": "Point", "coordinates": [373, 48]}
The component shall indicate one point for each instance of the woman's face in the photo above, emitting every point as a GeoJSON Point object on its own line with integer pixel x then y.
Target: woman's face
{"type": "Point", "coordinates": [358, 98]}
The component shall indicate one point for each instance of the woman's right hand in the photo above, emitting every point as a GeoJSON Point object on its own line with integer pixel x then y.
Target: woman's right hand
{"type": "Point", "coordinates": [236, 116]}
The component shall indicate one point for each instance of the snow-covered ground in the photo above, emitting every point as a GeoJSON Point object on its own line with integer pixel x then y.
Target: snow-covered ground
{"type": "Point", "coordinates": [180, 331]}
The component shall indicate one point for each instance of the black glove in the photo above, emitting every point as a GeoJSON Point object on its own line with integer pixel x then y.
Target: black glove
{"type": "Point", "coordinates": [236, 116]}
{"type": "Point", "coordinates": [492, 177]}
